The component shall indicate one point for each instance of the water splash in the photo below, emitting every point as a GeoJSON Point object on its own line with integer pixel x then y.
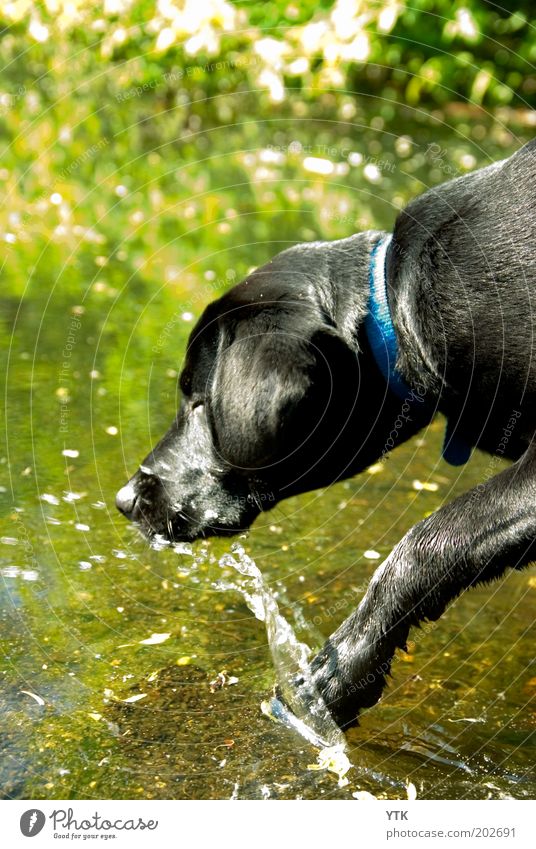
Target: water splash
{"type": "Point", "coordinates": [303, 709]}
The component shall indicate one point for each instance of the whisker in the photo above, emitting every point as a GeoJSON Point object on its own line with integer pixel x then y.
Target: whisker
{"type": "Point", "coordinates": [287, 518]}
{"type": "Point", "coordinates": [256, 499]}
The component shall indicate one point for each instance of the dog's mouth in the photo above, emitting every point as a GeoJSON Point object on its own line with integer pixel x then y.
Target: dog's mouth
{"type": "Point", "coordinates": [161, 521]}
{"type": "Point", "coordinates": [174, 532]}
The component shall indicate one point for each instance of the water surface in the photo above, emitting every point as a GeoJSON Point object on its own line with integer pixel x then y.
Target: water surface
{"type": "Point", "coordinates": [94, 334]}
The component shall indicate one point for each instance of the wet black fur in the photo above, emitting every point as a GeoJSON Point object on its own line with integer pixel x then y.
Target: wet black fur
{"type": "Point", "coordinates": [281, 395]}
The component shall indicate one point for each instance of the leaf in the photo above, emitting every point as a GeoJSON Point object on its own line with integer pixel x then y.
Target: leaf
{"type": "Point", "coordinates": [36, 698]}
{"type": "Point", "coordinates": [135, 698]}
{"type": "Point", "coordinates": [155, 639]}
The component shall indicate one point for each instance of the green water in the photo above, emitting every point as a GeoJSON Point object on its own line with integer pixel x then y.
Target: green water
{"type": "Point", "coordinates": [95, 316]}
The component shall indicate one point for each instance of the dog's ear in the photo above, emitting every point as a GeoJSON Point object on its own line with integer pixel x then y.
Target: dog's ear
{"type": "Point", "coordinates": [260, 378]}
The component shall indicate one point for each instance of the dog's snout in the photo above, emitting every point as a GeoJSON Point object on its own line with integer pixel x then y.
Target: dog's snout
{"type": "Point", "coordinates": [125, 499]}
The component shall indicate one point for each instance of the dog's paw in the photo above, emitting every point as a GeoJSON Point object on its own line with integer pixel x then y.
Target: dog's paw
{"type": "Point", "coordinates": [309, 694]}
{"type": "Point", "coordinates": [334, 686]}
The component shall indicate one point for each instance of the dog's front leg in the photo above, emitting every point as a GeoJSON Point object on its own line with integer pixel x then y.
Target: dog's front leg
{"type": "Point", "coordinates": [472, 539]}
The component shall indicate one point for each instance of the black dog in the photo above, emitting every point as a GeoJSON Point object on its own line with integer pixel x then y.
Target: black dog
{"type": "Point", "coordinates": [290, 384]}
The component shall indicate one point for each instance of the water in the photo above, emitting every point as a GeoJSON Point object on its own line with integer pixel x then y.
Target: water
{"type": "Point", "coordinates": [119, 660]}
{"type": "Point", "coordinates": [302, 710]}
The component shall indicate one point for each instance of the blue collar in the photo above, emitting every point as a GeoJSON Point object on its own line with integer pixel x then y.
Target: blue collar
{"type": "Point", "coordinates": [383, 343]}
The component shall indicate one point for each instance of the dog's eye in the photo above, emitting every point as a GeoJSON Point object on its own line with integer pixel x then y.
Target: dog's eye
{"type": "Point", "coordinates": [185, 383]}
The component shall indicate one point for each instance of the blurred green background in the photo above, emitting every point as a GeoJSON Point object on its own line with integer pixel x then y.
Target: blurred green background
{"type": "Point", "coordinates": [129, 125]}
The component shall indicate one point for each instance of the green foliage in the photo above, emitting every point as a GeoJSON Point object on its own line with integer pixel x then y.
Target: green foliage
{"type": "Point", "coordinates": [131, 130]}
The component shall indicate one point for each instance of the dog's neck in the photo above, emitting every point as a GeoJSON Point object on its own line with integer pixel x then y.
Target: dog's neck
{"type": "Point", "coordinates": [382, 338]}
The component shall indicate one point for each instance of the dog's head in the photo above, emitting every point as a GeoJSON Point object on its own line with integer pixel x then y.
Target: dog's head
{"type": "Point", "coordinates": [280, 395]}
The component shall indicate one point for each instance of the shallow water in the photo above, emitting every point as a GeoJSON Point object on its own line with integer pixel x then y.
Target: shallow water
{"type": "Point", "coordinates": [93, 618]}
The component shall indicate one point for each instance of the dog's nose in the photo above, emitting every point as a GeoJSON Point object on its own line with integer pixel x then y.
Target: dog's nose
{"type": "Point", "coordinates": [125, 500]}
